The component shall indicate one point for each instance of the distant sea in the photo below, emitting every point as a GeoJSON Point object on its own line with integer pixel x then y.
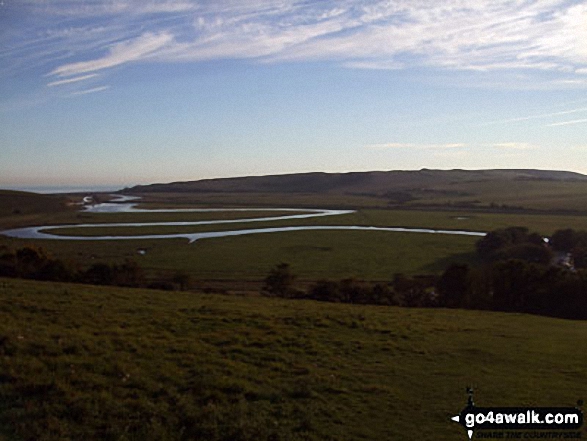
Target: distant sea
{"type": "Point", "coordinates": [63, 188]}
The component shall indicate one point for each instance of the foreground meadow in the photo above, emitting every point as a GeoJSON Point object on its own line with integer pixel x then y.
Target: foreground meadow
{"type": "Point", "coordinates": [81, 362]}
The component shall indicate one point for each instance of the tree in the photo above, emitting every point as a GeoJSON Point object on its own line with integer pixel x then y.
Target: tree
{"type": "Point", "coordinates": [55, 270]}
{"type": "Point", "coordinates": [280, 280]}
{"type": "Point", "coordinates": [479, 288]}
{"type": "Point", "coordinates": [354, 291]}
{"type": "Point", "coordinates": [502, 238]}
{"type": "Point", "coordinates": [453, 287]}
{"type": "Point", "coordinates": [490, 243]}
{"type": "Point", "coordinates": [128, 274]}
{"type": "Point", "coordinates": [564, 240]}
{"type": "Point", "coordinates": [382, 295]}
{"type": "Point", "coordinates": [182, 279]}
{"type": "Point", "coordinates": [579, 255]}
{"type": "Point", "coordinates": [528, 252]}
{"type": "Point", "coordinates": [516, 284]}
{"type": "Point", "coordinates": [8, 267]}
{"type": "Point", "coordinates": [411, 291]}
{"type": "Point", "coordinates": [325, 291]}
{"type": "Point", "coordinates": [29, 260]}
{"type": "Point", "coordinates": [99, 274]}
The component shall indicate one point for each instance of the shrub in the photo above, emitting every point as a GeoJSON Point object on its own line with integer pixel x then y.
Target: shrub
{"type": "Point", "coordinates": [280, 280]}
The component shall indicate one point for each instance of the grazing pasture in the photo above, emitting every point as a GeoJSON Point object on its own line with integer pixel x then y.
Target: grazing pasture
{"type": "Point", "coordinates": [312, 254]}
{"type": "Point", "coordinates": [107, 363]}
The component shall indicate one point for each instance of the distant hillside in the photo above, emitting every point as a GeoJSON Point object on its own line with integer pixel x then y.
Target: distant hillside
{"type": "Point", "coordinates": [20, 208]}
{"type": "Point", "coordinates": [22, 202]}
{"type": "Point", "coordinates": [493, 189]}
{"type": "Point", "coordinates": [376, 183]}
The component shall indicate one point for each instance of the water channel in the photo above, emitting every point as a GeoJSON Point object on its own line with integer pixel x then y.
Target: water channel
{"type": "Point", "coordinates": [125, 204]}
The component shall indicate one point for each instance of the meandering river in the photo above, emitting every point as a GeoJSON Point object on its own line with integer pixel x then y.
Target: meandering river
{"type": "Point", "coordinates": [124, 204]}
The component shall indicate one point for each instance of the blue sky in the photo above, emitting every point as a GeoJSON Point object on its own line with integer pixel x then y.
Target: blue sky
{"type": "Point", "coordinates": [113, 92]}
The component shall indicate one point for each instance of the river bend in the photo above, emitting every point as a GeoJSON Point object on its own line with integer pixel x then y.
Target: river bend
{"type": "Point", "coordinates": [123, 205]}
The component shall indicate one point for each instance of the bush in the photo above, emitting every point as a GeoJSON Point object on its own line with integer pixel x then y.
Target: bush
{"type": "Point", "coordinates": [280, 280]}
{"type": "Point", "coordinates": [182, 280]}
{"type": "Point", "coordinates": [98, 274]}
{"type": "Point", "coordinates": [325, 291]}
{"type": "Point", "coordinates": [413, 292]}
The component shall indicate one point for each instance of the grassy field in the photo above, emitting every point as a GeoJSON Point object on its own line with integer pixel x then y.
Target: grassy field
{"type": "Point", "coordinates": [452, 220]}
{"type": "Point", "coordinates": [550, 195]}
{"type": "Point", "coordinates": [467, 220]}
{"type": "Point", "coordinates": [18, 208]}
{"type": "Point", "coordinates": [304, 200]}
{"type": "Point", "coordinates": [532, 194]}
{"type": "Point", "coordinates": [24, 203]}
{"type": "Point", "coordinates": [312, 254]}
{"type": "Point", "coordinates": [178, 216]}
{"type": "Point", "coordinates": [83, 362]}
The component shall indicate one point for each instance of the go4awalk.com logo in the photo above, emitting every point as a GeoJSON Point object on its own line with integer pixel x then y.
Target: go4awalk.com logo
{"type": "Point", "coordinates": [520, 422]}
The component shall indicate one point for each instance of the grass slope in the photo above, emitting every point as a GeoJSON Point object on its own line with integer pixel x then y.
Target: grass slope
{"type": "Point", "coordinates": [19, 208]}
{"type": "Point", "coordinates": [373, 182]}
{"type": "Point", "coordinates": [81, 362]}
{"type": "Point", "coordinates": [313, 255]}
{"type": "Point", "coordinates": [528, 189]}
{"type": "Point", "coordinates": [544, 224]}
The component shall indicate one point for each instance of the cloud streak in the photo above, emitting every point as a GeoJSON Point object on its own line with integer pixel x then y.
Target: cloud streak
{"type": "Point", "coordinates": [118, 54]}
{"type": "Point", "coordinates": [481, 36]}
{"type": "Point", "coordinates": [400, 145]}
{"type": "Point", "coordinates": [540, 116]}
{"type": "Point", "coordinates": [452, 147]}
{"type": "Point", "coordinates": [514, 146]}
{"type": "Point", "coordinates": [567, 123]}
{"type": "Point", "coordinates": [88, 91]}
{"type": "Point", "coordinates": [71, 80]}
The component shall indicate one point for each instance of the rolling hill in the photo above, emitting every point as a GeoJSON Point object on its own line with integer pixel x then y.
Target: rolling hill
{"type": "Point", "coordinates": [19, 208]}
{"type": "Point", "coordinates": [373, 182]}
{"type": "Point", "coordinates": [527, 189]}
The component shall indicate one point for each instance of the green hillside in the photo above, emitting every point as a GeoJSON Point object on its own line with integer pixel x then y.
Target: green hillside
{"type": "Point", "coordinates": [376, 181]}
{"type": "Point", "coordinates": [80, 362]}
{"type": "Point", "coordinates": [494, 189]}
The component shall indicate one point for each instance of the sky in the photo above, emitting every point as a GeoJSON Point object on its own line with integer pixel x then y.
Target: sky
{"type": "Point", "coordinates": [125, 92]}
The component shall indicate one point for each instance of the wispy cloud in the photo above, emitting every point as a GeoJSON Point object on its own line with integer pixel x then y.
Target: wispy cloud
{"type": "Point", "coordinates": [118, 54]}
{"type": "Point", "coordinates": [88, 91]}
{"type": "Point", "coordinates": [71, 80]}
{"type": "Point", "coordinates": [481, 36]}
{"type": "Point", "coordinates": [514, 146]}
{"type": "Point", "coordinates": [453, 147]}
{"type": "Point", "coordinates": [400, 145]}
{"type": "Point", "coordinates": [567, 123]}
{"type": "Point", "coordinates": [539, 116]}
{"type": "Point", "coordinates": [110, 8]}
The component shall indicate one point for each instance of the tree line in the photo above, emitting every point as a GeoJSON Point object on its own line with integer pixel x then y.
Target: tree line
{"type": "Point", "coordinates": [518, 272]}
{"type": "Point", "coordinates": [35, 263]}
